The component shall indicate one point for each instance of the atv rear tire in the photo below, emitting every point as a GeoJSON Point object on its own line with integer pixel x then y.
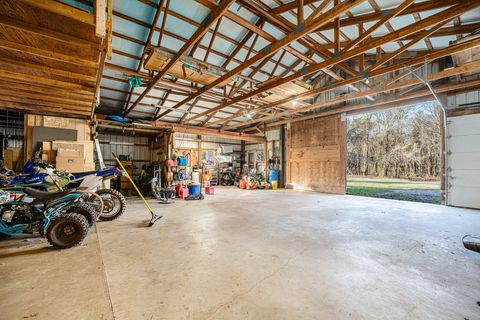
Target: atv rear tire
{"type": "Point", "coordinates": [86, 210]}
{"type": "Point", "coordinates": [67, 230]}
{"type": "Point", "coordinates": [114, 204]}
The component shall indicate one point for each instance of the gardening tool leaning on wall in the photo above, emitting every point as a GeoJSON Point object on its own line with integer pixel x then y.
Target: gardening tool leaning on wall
{"type": "Point", "coordinates": [154, 216]}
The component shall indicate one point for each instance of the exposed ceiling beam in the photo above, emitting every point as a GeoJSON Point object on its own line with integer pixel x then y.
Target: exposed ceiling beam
{"type": "Point", "coordinates": [290, 6]}
{"type": "Point", "coordinates": [418, 97]}
{"type": "Point", "coordinates": [147, 44]}
{"type": "Point", "coordinates": [207, 22]}
{"type": "Point", "coordinates": [470, 67]}
{"type": "Point", "coordinates": [307, 27]}
{"type": "Point", "coordinates": [391, 68]}
{"type": "Point", "coordinates": [444, 15]}
{"type": "Point", "coordinates": [375, 16]}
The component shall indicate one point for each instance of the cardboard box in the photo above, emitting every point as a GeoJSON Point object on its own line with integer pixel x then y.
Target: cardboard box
{"type": "Point", "coordinates": [11, 156]}
{"type": "Point", "coordinates": [71, 145]}
{"type": "Point", "coordinates": [71, 164]}
{"type": "Point", "coordinates": [69, 153]}
{"type": "Point", "coordinates": [46, 146]}
{"type": "Point", "coordinates": [89, 166]}
{"type": "Point", "coordinates": [85, 148]}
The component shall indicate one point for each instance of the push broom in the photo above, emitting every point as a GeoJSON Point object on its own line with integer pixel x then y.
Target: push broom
{"type": "Point", "coordinates": [154, 216]}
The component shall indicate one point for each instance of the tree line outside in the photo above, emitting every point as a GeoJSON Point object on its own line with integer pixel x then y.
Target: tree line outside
{"type": "Point", "coordinates": [397, 143]}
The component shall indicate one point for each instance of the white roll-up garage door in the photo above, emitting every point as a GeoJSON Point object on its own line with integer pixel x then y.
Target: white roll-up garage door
{"type": "Point", "coordinates": [463, 147]}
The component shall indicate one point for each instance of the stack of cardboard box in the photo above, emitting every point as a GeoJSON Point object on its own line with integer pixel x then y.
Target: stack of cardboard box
{"type": "Point", "coordinates": [69, 155]}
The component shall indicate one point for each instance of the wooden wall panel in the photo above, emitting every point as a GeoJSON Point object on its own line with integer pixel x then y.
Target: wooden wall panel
{"type": "Point", "coordinates": [316, 154]}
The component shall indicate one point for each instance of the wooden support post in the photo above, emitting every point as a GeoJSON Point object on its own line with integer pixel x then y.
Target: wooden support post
{"type": "Point", "coordinates": [199, 157]}
{"type": "Point", "coordinates": [336, 34]}
{"type": "Point", "coordinates": [265, 155]}
{"type": "Point", "coordinates": [100, 18]}
{"type": "Point", "coordinates": [110, 29]}
{"type": "Point", "coordinates": [300, 17]}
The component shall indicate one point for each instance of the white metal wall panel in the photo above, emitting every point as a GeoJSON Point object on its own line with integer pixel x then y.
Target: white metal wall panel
{"type": "Point", "coordinates": [463, 147]}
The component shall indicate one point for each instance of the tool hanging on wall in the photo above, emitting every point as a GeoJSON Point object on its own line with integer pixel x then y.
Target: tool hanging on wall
{"type": "Point", "coordinates": [154, 216]}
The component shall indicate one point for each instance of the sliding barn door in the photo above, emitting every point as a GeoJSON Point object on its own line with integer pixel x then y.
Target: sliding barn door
{"type": "Point", "coordinates": [316, 154]}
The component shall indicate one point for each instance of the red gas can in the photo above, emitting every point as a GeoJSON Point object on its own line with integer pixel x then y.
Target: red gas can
{"type": "Point", "coordinates": [210, 190]}
{"type": "Point", "coordinates": [182, 192]}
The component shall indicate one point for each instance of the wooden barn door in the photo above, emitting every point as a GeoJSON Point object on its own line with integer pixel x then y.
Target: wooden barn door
{"type": "Point", "coordinates": [316, 154]}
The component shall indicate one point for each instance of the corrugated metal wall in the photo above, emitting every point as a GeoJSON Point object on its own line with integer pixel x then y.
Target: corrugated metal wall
{"type": "Point", "coordinates": [461, 100]}
{"type": "Point", "coordinates": [183, 140]}
{"type": "Point", "coordinates": [256, 150]}
{"type": "Point", "coordinates": [137, 148]}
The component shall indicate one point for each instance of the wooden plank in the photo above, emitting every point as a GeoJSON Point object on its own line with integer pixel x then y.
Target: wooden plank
{"type": "Point", "coordinates": [43, 97]}
{"type": "Point", "coordinates": [46, 54]}
{"type": "Point", "coordinates": [9, 84]}
{"type": "Point", "coordinates": [302, 154]}
{"type": "Point", "coordinates": [27, 78]}
{"type": "Point", "coordinates": [62, 10]}
{"type": "Point", "coordinates": [46, 69]}
{"type": "Point", "coordinates": [9, 105]}
{"type": "Point", "coordinates": [40, 102]}
{"type": "Point", "coordinates": [45, 32]}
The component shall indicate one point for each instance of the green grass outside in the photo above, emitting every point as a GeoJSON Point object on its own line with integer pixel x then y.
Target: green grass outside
{"type": "Point", "coordinates": [398, 189]}
{"type": "Point", "coordinates": [388, 184]}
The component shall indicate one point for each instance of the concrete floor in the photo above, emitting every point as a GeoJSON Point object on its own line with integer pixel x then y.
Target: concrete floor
{"type": "Point", "coordinates": [254, 255]}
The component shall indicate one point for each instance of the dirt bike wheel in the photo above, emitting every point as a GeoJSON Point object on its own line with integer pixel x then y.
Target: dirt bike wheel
{"type": "Point", "coordinates": [114, 204]}
{"type": "Point", "coordinates": [86, 210]}
{"type": "Point", "coordinates": [67, 230]}
{"type": "Point", "coordinates": [94, 200]}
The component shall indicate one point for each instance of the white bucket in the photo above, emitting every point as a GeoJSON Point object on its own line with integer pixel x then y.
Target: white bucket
{"type": "Point", "coordinates": [195, 177]}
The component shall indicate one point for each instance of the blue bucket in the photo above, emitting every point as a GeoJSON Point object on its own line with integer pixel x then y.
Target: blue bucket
{"type": "Point", "coordinates": [182, 161]}
{"type": "Point", "coordinates": [194, 189]}
{"type": "Point", "coordinates": [273, 175]}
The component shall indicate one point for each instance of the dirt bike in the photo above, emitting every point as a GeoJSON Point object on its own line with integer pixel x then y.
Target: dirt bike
{"type": "Point", "coordinates": [36, 175]}
{"type": "Point", "coordinates": [57, 215]}
{"type": "Point", "coordinates": [110, 203]}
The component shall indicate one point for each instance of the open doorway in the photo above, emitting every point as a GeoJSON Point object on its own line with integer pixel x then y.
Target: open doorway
{"type": "Point", "coordinates": [395, 154]}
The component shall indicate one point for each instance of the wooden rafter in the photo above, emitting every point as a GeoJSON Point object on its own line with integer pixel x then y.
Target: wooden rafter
{"type": "Point", "coordinates": [475, 66]}
{"type": "Point", "coordinates": [270, 50]}
{"type": "Point", "coordinates": [248, 91]}
{"type": "Point", "coordinates": [147, 43]}
{"type": "Point", "coordinates": [373, 43]}
{"type": "Point", "coordinates": [207, 22]}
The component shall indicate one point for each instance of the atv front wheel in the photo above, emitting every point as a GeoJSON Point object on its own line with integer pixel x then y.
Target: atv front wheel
{"type": "Point", "coordinates": [113, 204]}
{"type": "Point", "coordinates": [67, 230]}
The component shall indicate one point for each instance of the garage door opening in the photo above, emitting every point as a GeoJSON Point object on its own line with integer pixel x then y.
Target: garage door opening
{"type": "Point", "coordinates": [395, 154]}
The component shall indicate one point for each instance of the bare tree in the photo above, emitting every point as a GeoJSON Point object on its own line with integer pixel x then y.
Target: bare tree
{"type": "Point", "coordinates": [400, 143]}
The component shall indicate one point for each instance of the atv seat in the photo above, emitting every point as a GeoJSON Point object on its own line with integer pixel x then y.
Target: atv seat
{"type": "Point", "coordinates": [46, 196]}
{"type": "Point", "coordinates": [84, 173]}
